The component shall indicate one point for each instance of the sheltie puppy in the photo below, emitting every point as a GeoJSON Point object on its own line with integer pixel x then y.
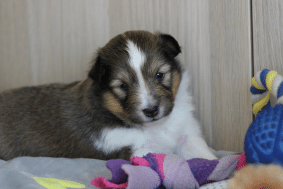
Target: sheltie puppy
{"type": "Point", "coordinates": [134, 101]}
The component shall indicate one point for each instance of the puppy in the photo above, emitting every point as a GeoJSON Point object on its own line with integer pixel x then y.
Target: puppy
{"type": "Point", "coordinates": [134, 101]}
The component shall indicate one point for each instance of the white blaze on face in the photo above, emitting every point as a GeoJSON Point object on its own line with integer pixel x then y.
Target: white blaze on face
{"type": "Point", "coordinates": [137, 59]}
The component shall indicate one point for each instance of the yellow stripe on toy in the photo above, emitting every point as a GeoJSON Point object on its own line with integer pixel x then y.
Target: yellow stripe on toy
{"type": "Point", "coordinates": [269, 80]}
{"type": "Point", "coordinates": [52, 183]}
{"type": "Point", "coordinates": [260, 104]}
{"type": "Point", "coordinates": [256, 85]}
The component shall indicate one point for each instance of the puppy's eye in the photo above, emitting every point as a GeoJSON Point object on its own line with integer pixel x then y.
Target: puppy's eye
{"type": "Point", "coordinates": [124, 86]}
{"type": "Point", "coordinates": [159, 75]}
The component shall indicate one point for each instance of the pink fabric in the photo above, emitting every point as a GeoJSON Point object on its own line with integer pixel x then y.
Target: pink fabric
{"type": "Point", "coordinates": [241, 162]}
{"type": "Point", "coordinates": [139, 161]}
{"type": "Point", "coordinates": [102, 182]}
{"type": "Point", "coordinates": [160, 159]}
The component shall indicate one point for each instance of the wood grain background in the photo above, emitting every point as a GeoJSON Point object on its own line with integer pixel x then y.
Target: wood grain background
{"type": "Point", "coordinates": [267, 32]}
{"type": "Point", "coordinates": [223, 44]}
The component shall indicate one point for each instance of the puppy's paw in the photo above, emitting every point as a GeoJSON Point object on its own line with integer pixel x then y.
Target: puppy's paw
{"type": "Point", "coordinates": [142, 152]}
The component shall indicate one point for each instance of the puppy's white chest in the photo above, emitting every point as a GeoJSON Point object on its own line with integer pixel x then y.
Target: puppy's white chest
{"type": "Point", "coordinates": [141, 141]}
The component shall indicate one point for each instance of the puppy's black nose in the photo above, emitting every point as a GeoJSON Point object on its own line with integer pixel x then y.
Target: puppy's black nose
{"type": "Point", "coordinates": [151, 112]}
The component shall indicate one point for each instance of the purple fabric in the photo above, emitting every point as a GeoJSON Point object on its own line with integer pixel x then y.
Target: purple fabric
{"type": "Point", "coordinates": [141, 177]}
{"type": "Point", "coordinates": [178, 173]}
{"type": "Point", "coordinates": [225, 168]}
{"type": "Point", "coordinates": [150, 158]}
{"type": "Point", "coordinates": [202, 168]}
{"type": "Point", "coordinates": [118, 175]}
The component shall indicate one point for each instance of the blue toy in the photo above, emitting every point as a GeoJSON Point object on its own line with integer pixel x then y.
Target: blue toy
{"type": "Point", "coordinates": [264, 138]}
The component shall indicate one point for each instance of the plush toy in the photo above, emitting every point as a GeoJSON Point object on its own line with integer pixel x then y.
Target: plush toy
{"type": "Point", "coordinates": [166, 171]}
{"type": "Point", "coordinates": [264, 138]}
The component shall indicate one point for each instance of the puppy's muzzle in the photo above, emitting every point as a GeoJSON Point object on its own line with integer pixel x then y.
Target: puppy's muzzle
{"type": "Point", "coordinates": [151, 112]}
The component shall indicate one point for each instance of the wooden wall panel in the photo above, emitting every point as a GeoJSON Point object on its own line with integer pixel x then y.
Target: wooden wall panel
{"type": "Point", "coordinates": [230, 63]}
{"type": "Point", "coordinates": [267, 35]}
{"type": "Point", "coordinates": [49, 41]}
{"type": "Point", "coordinates": [15, 62]}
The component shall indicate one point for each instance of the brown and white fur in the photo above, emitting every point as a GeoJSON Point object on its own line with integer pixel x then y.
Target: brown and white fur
{"type": "Point", "coordinates": [134, 101]}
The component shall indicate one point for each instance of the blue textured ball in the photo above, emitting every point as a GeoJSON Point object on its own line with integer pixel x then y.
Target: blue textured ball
{"type": "Point", "coordinates": [264, 138]}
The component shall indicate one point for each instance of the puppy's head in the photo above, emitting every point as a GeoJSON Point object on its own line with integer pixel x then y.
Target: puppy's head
{"type": "Point", "coordinates": [138, 76]}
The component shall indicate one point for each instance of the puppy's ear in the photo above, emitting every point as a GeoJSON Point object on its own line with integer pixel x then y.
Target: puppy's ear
{"type": "Point", "coordinates": [100, 72]}
{"type": "Point", "coordinates": [170, 45]}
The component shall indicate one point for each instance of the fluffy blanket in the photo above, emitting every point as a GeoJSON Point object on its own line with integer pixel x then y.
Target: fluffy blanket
{"type": "Point", "coordinates": [19, 172]}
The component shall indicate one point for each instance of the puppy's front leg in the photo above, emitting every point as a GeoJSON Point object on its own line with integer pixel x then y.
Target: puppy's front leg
{"type": "Point", "coordinates": [142, 152]}
{"type": "Point", "coordinates": [194, 147]}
